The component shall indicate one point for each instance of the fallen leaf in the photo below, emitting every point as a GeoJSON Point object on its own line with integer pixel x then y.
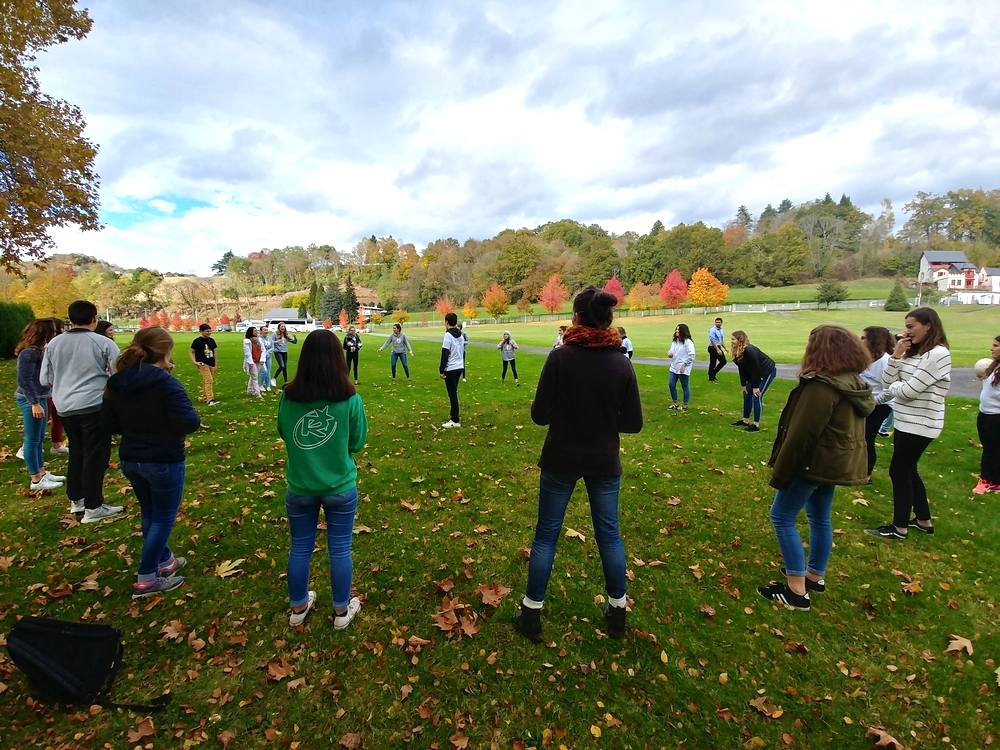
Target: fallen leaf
{"type": "Point", "coordinates": [405, 692]}
{"type": "Point", "coordinates": [143, 729]}
{"type": "Point", "coordinates": [60, 591]}
{"type": "Point", "coordinates": [459, 741]}
{"type": "Point", "coordinates": [278, 671]}
{"type": "Point", "coordinates": [725, 714]}
{"type": "Point", "coordinates": [596, 731]}
{"type": "Point", "coordinates": [173, 630]}
{"type": "Point", "coordinates": [226, 737]}
{"type": "Point", "coordinates": [351, 741]}
{"type": "Point", "coordinates": [707, 610]}
{"type": "Point", "coordinates": [958, 644]}
{"type": "Point", "coordinates": [228, 568]}
{"type": "Point", "coordinates": [913, 587]}
{"type": "Point", "coordinates": [696, 569]}
{"type": "Point", "coordinates": [574, 534]}
{"type": "Point", "coordinates": [412, 507]}
{"type": "Point", "coordinates": [296, 684]}
{"type": "Point", "coordinates": [884, 739]}
{"type": "Point", "coordinates": [360, 529]}
{"type": "Point", "coordinates": [493, 593]}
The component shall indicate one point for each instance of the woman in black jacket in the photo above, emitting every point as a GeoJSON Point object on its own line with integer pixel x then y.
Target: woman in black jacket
{"type": "Point", "coordinates": [587, 394]}
{"type": "Point", "coordinates": [757, 371]}
{"type": "Point", "coordinates": [153, 413]}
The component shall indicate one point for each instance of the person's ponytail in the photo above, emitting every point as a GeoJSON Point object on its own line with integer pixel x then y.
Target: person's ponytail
{"type": "Point", "coordinates": [594, 307]}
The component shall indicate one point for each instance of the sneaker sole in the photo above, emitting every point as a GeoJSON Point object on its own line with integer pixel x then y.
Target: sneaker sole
{"type": "Point", "coordinates": [113, 516]}
{"type": "Point", "coordinates": [144, 594]}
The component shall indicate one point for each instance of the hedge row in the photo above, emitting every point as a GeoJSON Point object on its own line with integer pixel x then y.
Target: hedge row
{"type": "Point", "coordinates": [14, 316]}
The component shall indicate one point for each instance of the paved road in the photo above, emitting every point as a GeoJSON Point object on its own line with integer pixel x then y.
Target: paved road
{"type": "Point", "coordinates": [963, 382]}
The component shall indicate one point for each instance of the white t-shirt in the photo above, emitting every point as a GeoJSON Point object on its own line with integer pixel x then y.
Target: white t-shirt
{"type": "Point", "coordinates": [456, 351]}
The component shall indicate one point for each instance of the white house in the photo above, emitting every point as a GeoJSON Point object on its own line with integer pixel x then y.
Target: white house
{"type": "Point", "coordinates": [948, 271]}
{"type": "Point", "coordinates": [989, 279]}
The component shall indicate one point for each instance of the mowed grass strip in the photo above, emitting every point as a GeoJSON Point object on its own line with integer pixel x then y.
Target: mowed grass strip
{"type": "Point", "coordinates": [706, 662]}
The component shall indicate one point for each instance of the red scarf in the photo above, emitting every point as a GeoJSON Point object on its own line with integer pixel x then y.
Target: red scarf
{"type": "Point", "coordinates": [592, 338]}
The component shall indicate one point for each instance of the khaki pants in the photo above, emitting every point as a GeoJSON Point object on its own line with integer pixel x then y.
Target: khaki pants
{"type": "Point", "coordinates": [207, 383]}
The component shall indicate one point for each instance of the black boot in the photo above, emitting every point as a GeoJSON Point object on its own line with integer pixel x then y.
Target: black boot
{"type": "Point", "coordinates": [529, 623]}
{"type": "Point", "coordinates": [615, 618]}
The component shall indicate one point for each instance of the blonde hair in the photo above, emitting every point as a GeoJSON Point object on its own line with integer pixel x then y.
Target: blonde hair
{"type": "Point", "coordinates": [150, 346]}
{"type": "Point", "coordinates": [740, 346]}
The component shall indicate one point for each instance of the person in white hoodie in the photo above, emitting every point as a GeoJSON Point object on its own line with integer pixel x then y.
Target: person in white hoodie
{"type": "Point", "coordinates": [77, 365]}
{"type": "Point", "coordinates": [879, 343]}
{"type": "Point", "coordinates": [681, 357]}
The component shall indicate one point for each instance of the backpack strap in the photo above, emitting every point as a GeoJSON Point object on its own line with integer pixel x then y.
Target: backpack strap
{"type": "Point", "coordinates": [155, 706]}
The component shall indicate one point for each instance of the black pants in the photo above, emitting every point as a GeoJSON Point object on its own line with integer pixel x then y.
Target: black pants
{"type": "Point", "coordinates": [451, 378]}
{"type": "Point", "coordinates": [281, 358]}
{"type": "Point", "coordinates": [716, 361]}
{"type": "Point", "coordinates": [89, 453]}
{"type": "Point", "coordinates": [513, 369]}
{"type": "Point", "coordinates": [989, 436]}
{"type": "Point", "coordinates": [872, 425]}
{"type": "Point", "coordinates": [353, 357]}
{"type": "Point", "coordinates": [908, 491]}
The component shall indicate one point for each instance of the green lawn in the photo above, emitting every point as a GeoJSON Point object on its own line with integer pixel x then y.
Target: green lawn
{"type": "Point", "coordinates": [970, 330]}
{"type": "Point", "coordinates": [706, 662]}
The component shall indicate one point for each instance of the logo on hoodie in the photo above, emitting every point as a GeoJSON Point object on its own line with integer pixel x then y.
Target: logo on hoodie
{"type": "Point", "coordinates": [314, 429]}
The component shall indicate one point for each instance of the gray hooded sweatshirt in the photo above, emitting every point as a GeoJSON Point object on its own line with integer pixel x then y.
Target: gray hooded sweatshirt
{"type": "Point", "coordinates": [77, 365]}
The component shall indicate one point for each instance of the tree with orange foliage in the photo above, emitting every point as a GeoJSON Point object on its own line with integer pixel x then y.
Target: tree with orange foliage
{"type": "Point", "coordinates": [496, 302]}
{"type": "Point", "coordinates": [554, 294]}
{"type": "Point", "coordinates": [361, 320]}
{"type": "Point", "coordinates": [444, 306]}
{"type": "Point", "coordinates": [471, 308]}
{"type": "Point", "coordinates": [175, 322]}
{"type": "Point", "coordinates": [643, 297]}
{"type": "Point", "coordinates": [344, 319]}
{"type": "Point", "coordinates": [163, 319]}
{"type": "Point", "coordinates": [674, 290]}
{"type": "Point", "coordinates": [707, 291]}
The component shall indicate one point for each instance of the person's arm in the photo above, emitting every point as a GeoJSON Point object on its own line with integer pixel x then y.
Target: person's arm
{"type": "Point", "coordinates": [936, 367]}
{"type": "Point", "coordinates": [387, 340]}
{"type": "Point", "coordinates": [195, 362]}
{"type": "Point", "coordinates": [688, 354]}
{"type": "Point", "coordinates": [406, 343]}
{"type": "Point", "coordinates": [445, 351]}
{"type": "Point", "coordinates": [178, 408]}
{"type": "Point", "coordinates": [546, 394]}
{"type": "Point", "coordinates": [26, 382]}
{"type": "Point", "coordinates": [630, 411]}
{"type": "Point", "coordinates": [811, 414]}
{"type": "Point", "coordinates": [45, 375]}
{"type": "Point", "coordinates": [109, 416]}
{"type": "Point", "coordinates": [514, 343]}
{"type": "Point", "coordinates": [358, 432]}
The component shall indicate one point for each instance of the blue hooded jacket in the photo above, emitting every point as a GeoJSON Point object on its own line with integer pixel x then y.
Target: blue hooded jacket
{"type": "Point", "coordinates": [151, 410]}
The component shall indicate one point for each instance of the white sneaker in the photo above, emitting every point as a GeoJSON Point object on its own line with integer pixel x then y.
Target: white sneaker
{"type": "Point", "coordinates": [77, 506]}
{"type": "Point", "coordinates": [54, 477]}
{"type": "Point", "coordinates": [93, 515]}
{"type": "Point", "coordinates": [44, 484]}
{"type": "Point", "coordinates": [20, 453]}
{"type": "Point", "coordinates": [449, 423]}
{"type": "Point", "coordinates": [297, 618]}
{"type": "Point", "coordinates": [342, 621]}
{"type": "Point", "coordinates": [274, 383]}
{"type": "Point", "coordinates": [62, 449]}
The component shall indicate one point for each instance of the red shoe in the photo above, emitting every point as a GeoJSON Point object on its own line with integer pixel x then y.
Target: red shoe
{"type": "Point", "coordinates": [983, 487]}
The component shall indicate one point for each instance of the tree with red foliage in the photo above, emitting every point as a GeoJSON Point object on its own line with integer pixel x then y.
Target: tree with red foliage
{"type": "Point", "coordinates": [444, 306]}
{"type": "Point", "coordinates": [674, 290]}
{"type": "Point", "coordinates": [237, 318]}
{"type": "Point", "coordinates": [554, 294]}
{"type": "Point", "coordinates": [327, 323]}
{"type": "Point", "coordinates": [224, 320]}
{"type": "Point", "coordinates": [143, 322]}
{"type": "Point", "coordinates": [362, 319]}
{"type": "Point", "coordinates": [214, 322]}
{"type": "Point", "coordinates": [175, 322]}
{"type": "Point", "coordinates": [163, 319]}
{"type": "Point", "coordinates": [614, 286]}
{"type": "Point", "coordinates": [344, 319]}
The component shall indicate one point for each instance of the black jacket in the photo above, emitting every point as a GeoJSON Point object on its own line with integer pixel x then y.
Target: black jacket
{"type": "Point", "coordinates": [754, 367]}
{"type": "Point", "coordinates": [586, 397]}
{"type": "Point", "coordinates": [153, 413]}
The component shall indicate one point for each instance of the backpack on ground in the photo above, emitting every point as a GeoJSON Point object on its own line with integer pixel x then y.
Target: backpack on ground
{"type": "Point", "coordinates": [71, 662]}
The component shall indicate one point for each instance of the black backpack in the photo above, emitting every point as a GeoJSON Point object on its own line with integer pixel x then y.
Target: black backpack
{"type": "Point", "coordinates": [71, 662]}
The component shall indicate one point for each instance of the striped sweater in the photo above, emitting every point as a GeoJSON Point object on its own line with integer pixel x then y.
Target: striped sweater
{"type": "Point", "coordinates": [919, 385]}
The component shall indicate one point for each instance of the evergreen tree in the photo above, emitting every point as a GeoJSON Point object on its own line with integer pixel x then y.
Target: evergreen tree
{"type": "Point", "coordinates": [330, 302]}
{"type": "Point", "coordinates": [657, 228]}
{"type": "Point", "coordinates": [744, 218]}
{"type": "Point", "coordinates": [785, 205]}
{"type": "Point", "coordinates": [313, 304]}
{"type": "Point", "coordinates": [897, 301]}
{"type": "Point", "coordinates": [831, 290]}
{"type": "Point", "coordinates": [302, 309]}
{"type": "Point", "coordinates": [349, 298]}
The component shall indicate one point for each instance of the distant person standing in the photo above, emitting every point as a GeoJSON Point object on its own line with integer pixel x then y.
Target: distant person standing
{"type": "Point", "coordinates": [266, 341]}
{"type": "Point", "coordinates": [559, 337]}
{"type": "Point", "coordinates": [988, 425]}
{"type": "Point", "coordinates": [352, 347]}
{"type": "Point", "coordinates": [878, 341]}
{"type": "Point", "coordinates": [757, 372]}
{"type": "Point", "coordinates": [399, 344]}
{"type": "Point", "coordinates": [33, 399]}
{"type": "Point", "coordinates": [77, 365]}
{"type": "Point", "coordinates": [681, 356]}
{"type": "Point", "coordinates": [105, 328]}
{"type": "Point", "coordinates": [626, 343]}
{"type": "Point", "coordinates": [508, 348]}
{"type": "Point", "coordinates": [465, 349]}
{"type": "Point", "coordinates": [282, 338]}
{"type": "Point", "coordinates": [202, 355]}
{"type": "Point", "coordinates": [452, 365]}
{"type": "Point", "coordinates": [716, 350]}
{"type": "Point", "coordinates": [253, 357]}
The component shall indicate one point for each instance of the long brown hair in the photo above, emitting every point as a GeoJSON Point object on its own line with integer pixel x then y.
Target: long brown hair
{"type": "Point", "coordinates": [149, 346]}
{"type": "Point", "coordinates": [879, 341]}
{"type": "Point", "coordinates": [935, 336]}
{"type": "Point", "coordinates": [834, 350]}
{"type": "Point", "coordinates": [993, 368]}
{"type": "Point", "coordinates": [36, 335]}
{"type": "Point", "coordinates": [321, 374]}
{"type": "Point", "coordinates": [740, 346]}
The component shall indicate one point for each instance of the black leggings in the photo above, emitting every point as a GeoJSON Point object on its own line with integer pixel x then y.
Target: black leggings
{"type": "Point", "coordinates": [353, 357]}
{"type": "Point", "coordinates": [989, 436]}
{"type": "Point", "coordinates": [513, 369]}
{"type": "Point", "coordinates": [908, 490]}
{"type": "Point", "coordinates": [282, 359]}
{"type": "Point", "coordinates": [872, 425]}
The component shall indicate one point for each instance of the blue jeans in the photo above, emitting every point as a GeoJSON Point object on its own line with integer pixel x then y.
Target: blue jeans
{"type": "Point", "coordinates": [756, 403]}
{"type": "Point", "coordinates": [887, 424]}
{"type": "Point", "coordinates": [264, 375]}
{"type": "Point", "coordinates": [554, 492]}
{"type": "Point", "coordinates": [158, 490]}
{"type": "Point", "coordinates": [402, 358]}
{"type": "Point", "coordinates": [303, 517]}
{"type": "Point", "coordinates": [817, 499]}
{"type": "Point", "coordinates": [685, 386]}
{"type": "Point", "coordinates": [34, 434]}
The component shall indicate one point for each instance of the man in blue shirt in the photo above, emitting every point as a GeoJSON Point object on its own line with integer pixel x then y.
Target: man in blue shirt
{"type": "Point", "coordinates": [716, 350]}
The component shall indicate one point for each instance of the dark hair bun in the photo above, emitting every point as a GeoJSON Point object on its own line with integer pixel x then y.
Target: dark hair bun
{"type": "Point", "coordinates": [604, 298]}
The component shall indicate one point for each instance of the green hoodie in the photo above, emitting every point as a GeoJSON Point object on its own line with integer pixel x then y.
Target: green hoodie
{"type": "Point", "coordinates": [821, 432]}
{"type": "Point", "coordinates": [320, 437]}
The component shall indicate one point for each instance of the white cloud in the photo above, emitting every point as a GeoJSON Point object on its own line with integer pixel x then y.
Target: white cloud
{"type": "Point", "coordinates": [241, 126]}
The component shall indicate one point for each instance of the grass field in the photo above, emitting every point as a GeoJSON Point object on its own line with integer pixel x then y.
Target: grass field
{"type": "Point", "coordinates": [706, 662]}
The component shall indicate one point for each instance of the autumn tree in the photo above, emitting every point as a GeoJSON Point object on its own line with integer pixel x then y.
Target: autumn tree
{"type": "Point", "coordinates": [163, 319]}
{"type": "Point", "coordinates": [674, 290]}
{"type": "Point", "coordinates": [400, 316]}
{"type": "Point", "coordinates": [705, 290]}
{"type": "Point", "coordinates": [643, 297]}
{"type": "Point", "coordinates": [614, 286]}
{"type": "Point", "coordinates": [554, 294]}
{"type": "Point", "coordinates": [46, 165]}
{"type": "Point", "coordinates": [344, 319]}
{"type": "Point", "coordinates": [51, 292]}
{"type": "Point", "coordinates": [224, 320]}
{"type": "Point", "coordinates": [361, 319]}
{"type": "Point", "coordinates": [524, 306]}
{"type": "Point", "coordinates": [175, 322]}
{"type": "Point", "coordinates": [496, 302]}
{"type": "Point", "coordinates": [444, 306]}
{"type": "Point", "coordinates": [471, 308]}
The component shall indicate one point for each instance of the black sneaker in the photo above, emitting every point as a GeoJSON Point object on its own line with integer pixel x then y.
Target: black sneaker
{"type": "Point", "coordinates": [886, 532]}
{"type": "Point", "coordinates": [615, 618]}
{"type": "Point", "coordinates": [739, 423]}
{"type": "Point", "coordinates": [915, 524]}
{"type": "Point", "coordinates": [779, 592]}
{"type": "Point", "coordinates": [818, 586]}
{"type": "Point", "coordinates": [529, 623]}
{"type": "Point", "coordinates": [751, 428]}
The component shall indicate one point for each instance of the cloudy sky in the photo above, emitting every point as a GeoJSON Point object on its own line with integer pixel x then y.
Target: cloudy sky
{"type": "Point", "coordinates": [242, 125]}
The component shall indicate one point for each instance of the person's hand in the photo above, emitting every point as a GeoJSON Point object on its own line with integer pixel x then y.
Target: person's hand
{"type": "Point", "coordinates": [670, 355]}
{"type": "Point", "coordinates": [902, 348]}
{"type": "Point", "coordinates": [682, 370]}
{"type": "Point", "coordinates": [442, 376]}
{"type": "Point", "coordinates": [756, 392]}
{"type": "Point", "coordinates": [200, 364]}
{"type": "Point", "coordinates": [744, 389]}
{"type": "Point", "coordinates": [37, 411]}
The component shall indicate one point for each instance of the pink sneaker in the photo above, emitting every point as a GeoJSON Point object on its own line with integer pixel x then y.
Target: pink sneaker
{"type": "Point", "coordinates": [982, 488]}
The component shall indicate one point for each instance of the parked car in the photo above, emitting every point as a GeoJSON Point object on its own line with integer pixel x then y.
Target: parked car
{"type": "Point", "coordinates": [224, 328]}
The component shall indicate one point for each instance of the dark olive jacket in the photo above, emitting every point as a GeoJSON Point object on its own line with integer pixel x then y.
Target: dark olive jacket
{"type": "Point", "coordinates": [821, 433]}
